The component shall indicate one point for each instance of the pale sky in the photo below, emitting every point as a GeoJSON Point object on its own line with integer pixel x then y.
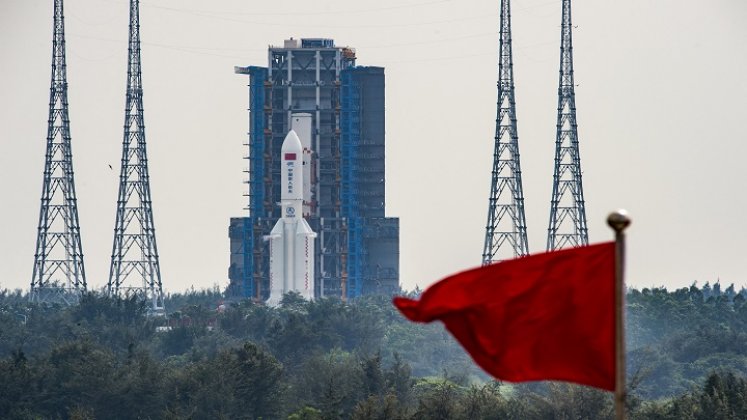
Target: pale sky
{"type": "Point", "coordinates": [661, 112]}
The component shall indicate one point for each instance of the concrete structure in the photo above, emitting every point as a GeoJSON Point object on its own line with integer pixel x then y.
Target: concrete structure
{"type": "Point", "coordinates": [357, 248]}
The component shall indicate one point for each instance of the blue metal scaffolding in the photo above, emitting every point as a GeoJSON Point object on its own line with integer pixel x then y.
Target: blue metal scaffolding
{"type": "Point", "coordinates": [350, 125]}
{"type": "Point", "coordinates": [241, 231]}
{"type": "Point", "coordinates": [257, 79]}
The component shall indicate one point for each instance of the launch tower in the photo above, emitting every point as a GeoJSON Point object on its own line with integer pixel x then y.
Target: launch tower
{"type": "Point", "coordinates": [567, 212]}
{"type": "Point", "coordinates": [506, 229]}
{"type": "Point", "coordinates": [59, 275]}
{"type": "Point", "coordinates": [357, 247]}
{"type": "Point", "coordinates": [134, 266]}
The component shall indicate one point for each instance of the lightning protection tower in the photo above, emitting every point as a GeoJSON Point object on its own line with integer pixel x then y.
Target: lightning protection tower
{"type": "Point", "coordinates": [506, 229]}
{"type": "Point", "coordinates": [59, 275]}
{"type": "Point", "coordinates": [567, 212]}
{"type": "Point", "coordinates": [134, 268]}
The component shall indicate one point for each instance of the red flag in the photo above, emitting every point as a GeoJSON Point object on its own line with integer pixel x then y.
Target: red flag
{"type": "Point", "coordinates": [547, 316]}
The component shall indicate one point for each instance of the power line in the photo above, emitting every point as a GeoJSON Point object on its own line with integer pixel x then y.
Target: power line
{"type": "Point", "coordinates": [218, 16]}
{"type": "Point", "coordinates": [316, 13]}
{"type": "Point", "coordinates": [354, 26]}
{"type": "Point", "coordinates": [208, 51]}
{"type": "Point", "coordinates": [183, 48]}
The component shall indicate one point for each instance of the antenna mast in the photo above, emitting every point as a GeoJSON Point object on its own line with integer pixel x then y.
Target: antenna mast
{"type": "Point", "coordinates": [135, 269]}
{"type": "Point", "coordinates": [59, 275]}
{"type": "Point", "coordinates": [506, 227]}
{"type": "Point", "coordinates": [567, 212]}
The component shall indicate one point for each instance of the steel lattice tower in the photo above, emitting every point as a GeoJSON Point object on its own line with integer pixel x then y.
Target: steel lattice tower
{"type": "Point", "coordinates": [567, 212]}
{"type": "Point", "coordinates": [135, 268]}
{"type": "Point", "coordinates": [506, 226]}
{"type": "Point", "coordinates": [59, 275]}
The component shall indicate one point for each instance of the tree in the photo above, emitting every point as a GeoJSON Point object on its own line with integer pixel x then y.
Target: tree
{"type": "Point", "coordinates": [258, 381]}
{"type": "Point", "coordinates": [15, 399]}
{"type": "Point", "coordinates": [438, 400]}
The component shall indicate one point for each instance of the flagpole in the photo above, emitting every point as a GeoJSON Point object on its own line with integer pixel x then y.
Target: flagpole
{"type": "Point", "coordinates": [618, 221]}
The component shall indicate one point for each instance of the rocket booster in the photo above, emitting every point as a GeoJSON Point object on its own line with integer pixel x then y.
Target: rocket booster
{"type": "Point", "coordinates": [291, 239]}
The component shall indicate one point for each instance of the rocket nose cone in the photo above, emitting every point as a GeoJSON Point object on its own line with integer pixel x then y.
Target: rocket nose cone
{"type": "Point", "coordinates": [292, 144]}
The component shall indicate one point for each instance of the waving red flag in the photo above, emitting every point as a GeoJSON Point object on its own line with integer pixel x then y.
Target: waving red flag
{"type": "Point", "coordinates": [547, 316]}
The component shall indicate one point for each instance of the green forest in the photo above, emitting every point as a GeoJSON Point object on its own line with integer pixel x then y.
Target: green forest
{"type": "Point", "coordinates": [105, 358]}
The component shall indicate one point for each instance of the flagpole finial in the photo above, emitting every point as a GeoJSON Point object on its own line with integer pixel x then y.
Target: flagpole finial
{"type": "Point", "coordinates": [618, 220]}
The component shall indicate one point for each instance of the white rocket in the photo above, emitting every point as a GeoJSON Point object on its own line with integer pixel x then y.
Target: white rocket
{"type": "Point", "coordinates": [301, 124]}
{"type": "Point", "coordinates": [291, 240]}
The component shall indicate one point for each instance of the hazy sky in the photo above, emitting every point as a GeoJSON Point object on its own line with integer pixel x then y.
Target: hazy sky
{"type": "Point", "coordinates": [661, 112]}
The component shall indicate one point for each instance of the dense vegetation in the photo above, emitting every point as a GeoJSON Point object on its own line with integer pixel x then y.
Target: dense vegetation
{"type": "Point", "coordinates": [106, 359]}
